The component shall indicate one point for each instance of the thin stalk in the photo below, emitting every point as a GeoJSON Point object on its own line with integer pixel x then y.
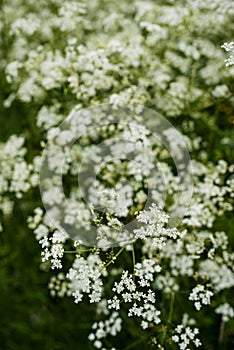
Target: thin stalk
{"type": "Point", "coordinates": [171, 307]}
{"type": "Point", "coordinates": [76, 251]}
{"type": "Point", "coordinates": [169, 315]}
{"type": "Point", "coordinates": [221, 332]}
{"type": "Point", "coordinates": [114, 257]}
{"type": "Point", "coordinates": [132, 345]}
{"type": "Point", "coordinates": [133, 259]}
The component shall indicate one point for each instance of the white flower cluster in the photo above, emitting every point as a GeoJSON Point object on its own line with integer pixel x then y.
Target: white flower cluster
{"type": "Point", "coordinates": [50, 238]}
{"type": "Point", "coordinates": [185, 336]}
{"type": "Point", "coordinates": [186, 333]}
{"type": "Point", "coordinates": [62, 57]}
{"type": "Point", "coordinates": [142, 304]}
{"type": "Point", "coordinates": [58, 285]}
{"type": "Point", "coordinates": [212, 196]}
{"type": "Point", "coordinates": [155, 220]}
{"type": "Point", "coordinates": [145, 271]}
{"type": "Point", "coordinates": [200, 295]}
{"type": "Point", "coordinates": [226, 311]}
{"type": "Point", "coordinates": [17, 175]}
{"type": "Point", "coordinates": [86, 64]}
{"type": "Point", "coordinates": [85, 277]}
{"type": "Point", "coordinates": [229, 47]}
{"type": "Point", "coordinates": [100, 330]}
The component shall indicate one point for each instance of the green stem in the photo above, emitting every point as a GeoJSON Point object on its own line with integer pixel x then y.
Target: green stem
{"type": "Point", "coordinates": [169, 316]}
{"type": "Point", "coordinates": [114, 257]}
{"type": "Point", "coordinates": [171, 307]}
{"type": "Point", "coordinates": [76, 251]}
{"type": "Point", "coordinates": [132, 345]}
{"type": "Point", "coordinates": [221, 332]}
{"type": "Point", "coordinates": [133, 259]}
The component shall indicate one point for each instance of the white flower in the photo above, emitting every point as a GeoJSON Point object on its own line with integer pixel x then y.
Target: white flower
{"type": "Point", "coordinates": [229, 47]}
{"type": "Point", "coordinates": [185, 336]}
{"type": "Point", "coordinates": [201, 296]}
{"type": "Point", "coordinates": [226, 311]}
